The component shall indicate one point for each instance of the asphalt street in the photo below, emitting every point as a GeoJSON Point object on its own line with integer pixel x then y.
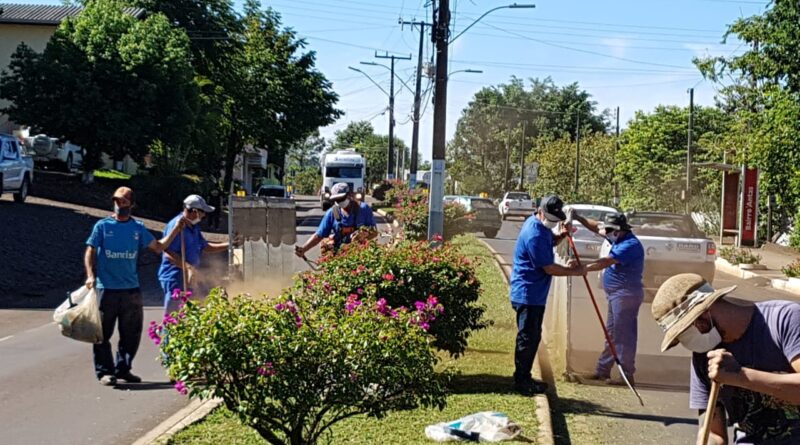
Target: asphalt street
{"type": "Point", "coordinates": [48, 391]}
{"type": "Point", "coordinates": [666, 418]}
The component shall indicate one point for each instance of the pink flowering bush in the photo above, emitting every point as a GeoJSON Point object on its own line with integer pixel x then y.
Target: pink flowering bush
{"type": "Point", "coordinates": [411, 210]}
{"type": "Point", "coordinates": [409, 276]}
{"type": "Point", "coordinates": [292, 367]}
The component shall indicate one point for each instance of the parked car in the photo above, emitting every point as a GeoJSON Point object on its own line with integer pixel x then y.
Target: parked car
{"type": "Point", "coordinates": [272, 191]}
{"type": "Point", "coordinates": [516, 204]}
{"type": "Point", "coordinates": [483, 215]}
{"type": "Point", "coordinates": [673, 244]}
{"type": "Point", "coordinates": [16, 168]}
{"type": "Point", "coordinates": [587, 242]}
{"type": "Point", "coordinates": [45, 149]}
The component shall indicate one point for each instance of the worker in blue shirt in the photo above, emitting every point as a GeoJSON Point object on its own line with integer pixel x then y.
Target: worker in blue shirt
{"type": "Point", "coordinates": [534, 267]}
{"type": "Point", "coordinates": [170, 273]}
{"type": "Point", "coordinates": [112, 252]}
{"type": "Point", "coordinates": [622, 282]}
{"type": "Point", "coordinates": [345, 220]}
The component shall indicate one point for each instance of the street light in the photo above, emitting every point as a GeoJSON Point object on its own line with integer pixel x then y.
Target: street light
{"type": "Point", "coordinates": [511, 6]}
{"type": "Point", "coordinates": [370, 79]}
{"type": "Point", "coordinates": [390, 70]}
{"type": "Point", "coordinates": [465, 71]}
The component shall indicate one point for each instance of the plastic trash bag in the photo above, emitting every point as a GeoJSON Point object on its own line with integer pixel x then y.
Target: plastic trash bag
{"type": "Point", "coordinates": [78, 317]}
{"type": "Point", "coordinates": [481, 427]}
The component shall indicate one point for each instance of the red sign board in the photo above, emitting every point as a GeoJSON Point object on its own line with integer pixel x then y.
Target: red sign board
{"type": "Point", "coordinates": [730, 200]}
{"type": "Point", "coordinates": [749, 223]}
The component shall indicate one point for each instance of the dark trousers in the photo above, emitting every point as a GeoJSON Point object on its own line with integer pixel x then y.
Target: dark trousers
{"type": "Point", "coordinates": [529, 333]}
{"type": "Point", "coordinates": [125, 307]}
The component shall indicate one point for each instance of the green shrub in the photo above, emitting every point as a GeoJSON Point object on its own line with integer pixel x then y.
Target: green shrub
{"type": "Point", "coordinates": [792, 270]}
{"type": "Point", "coordinates": [307, 182]}
{"type": "Point", "coordinates": [734, 255]}
{"type": "Point", "coordinates": [794, 237]}
{"type": "Point", "coordinates": [397, 192]}
{"type": "Point", "coordinates": [291, 368]}
{"type": "Point", "coordinates": [404, 274]}
{"type": "Point", "coordinates": [379, 191]}
{"type": "Point", "coordinates": [411, 211]}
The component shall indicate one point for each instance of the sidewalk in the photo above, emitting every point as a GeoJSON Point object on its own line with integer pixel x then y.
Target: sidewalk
{"type": "Point", "coordinates": [773, 259]}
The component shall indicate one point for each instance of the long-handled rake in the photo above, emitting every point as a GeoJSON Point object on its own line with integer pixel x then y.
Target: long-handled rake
{"type": "Point", "coordinates": [611, 346]}
{"type": "Point", "coordinates": [712, 405]}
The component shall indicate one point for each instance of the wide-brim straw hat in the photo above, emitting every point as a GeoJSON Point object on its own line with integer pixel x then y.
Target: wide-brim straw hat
{"type": "Point", "coordinates": [678, 303]}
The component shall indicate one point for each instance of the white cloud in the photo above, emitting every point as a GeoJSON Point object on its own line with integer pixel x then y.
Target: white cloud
{"type": "Point", "coordinates": [618, 46]}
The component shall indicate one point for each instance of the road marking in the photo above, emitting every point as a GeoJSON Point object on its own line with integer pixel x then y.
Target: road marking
{"type": "Point", "coordinates": [6, 337]}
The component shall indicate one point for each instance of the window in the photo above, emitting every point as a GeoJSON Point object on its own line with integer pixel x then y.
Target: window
{"type": "Point", "coordinates": [343, 172]}
{"type": "Point", "coordinates": [518, 196]}
{"type": "Point", "coordinates": [271, 192]}
{"type": "Point", "coordinates": [663, 225]}
{"type": "Point", "coordinates": [482, 204]}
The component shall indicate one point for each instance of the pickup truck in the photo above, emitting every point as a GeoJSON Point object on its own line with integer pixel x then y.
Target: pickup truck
{"type": "Point", "coordinates": [16, 168]}
{"type": "Point", "coordinates": [516, 204]}
{"type": "Point", "coordinates": [672, 244]}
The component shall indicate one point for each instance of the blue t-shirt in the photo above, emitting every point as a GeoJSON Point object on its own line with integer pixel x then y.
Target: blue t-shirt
{"type": "Point", "coordinates": [195, 243]}
{"type": "Point", "coordinates": [118, 245]}
{"type": "Point", "coordinates": [625, 277]}
{"type": "Point", "coordinates": [770, 344]}
{"type": "Point", "coordinates": [362, 218]}
{"type": "Point", "coordinates": [534, 250]}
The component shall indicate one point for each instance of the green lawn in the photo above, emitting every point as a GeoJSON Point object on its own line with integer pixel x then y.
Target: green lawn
{"type": "Point", "coordinates": [484, 383]}
{"type": "Point", "coordinates": [110, 174]}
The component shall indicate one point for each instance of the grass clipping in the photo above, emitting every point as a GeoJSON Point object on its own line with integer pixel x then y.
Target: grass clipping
{"type": "Point", "coordinates": [483, 382]}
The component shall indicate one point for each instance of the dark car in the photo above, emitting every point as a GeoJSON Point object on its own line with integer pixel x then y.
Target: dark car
{"type": "Point", "coordinates": [483, 214]}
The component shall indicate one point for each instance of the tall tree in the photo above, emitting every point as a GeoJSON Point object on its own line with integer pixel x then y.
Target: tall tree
{"type": "Point", "coordinates": [305, 154]}
{"type": "Point", "coordinates": [489, 134]}
{"type": "Point", "coordinates": [651, 163]}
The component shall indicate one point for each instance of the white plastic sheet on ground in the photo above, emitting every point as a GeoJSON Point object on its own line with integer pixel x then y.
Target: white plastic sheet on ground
{"type": "Point", "coordinates": [78, 317]}
{"type": "Point", "coordinates": [480, 427]}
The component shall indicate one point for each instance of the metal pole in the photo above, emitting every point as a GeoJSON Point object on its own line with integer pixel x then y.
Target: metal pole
{"type": "Point", "coordinates": [577, 154]}
{"type": "Point", "coordinates": [441, 37]}
{"type": "Point", "coordinates": [417, 100]}
{"type": "Point", "coordinates": [508, 160]}
{"type": "Point", "coordinates": [689, 151]}
{"type": "Point", "coordinates": [390, 164]}
{"type": "Point", "coordinates": [614, 164]}
{"type": "Point", "coordinates": [522, 158]}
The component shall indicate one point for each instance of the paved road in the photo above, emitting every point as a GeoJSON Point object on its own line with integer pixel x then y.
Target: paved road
{"type": "Point", "coordinates": [48, 391]}
{"type": "Point", "coordinates": [602, 414]}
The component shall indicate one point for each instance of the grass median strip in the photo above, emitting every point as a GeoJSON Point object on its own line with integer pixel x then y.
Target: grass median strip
{"type": "Point", "coordinates": [483, 383]}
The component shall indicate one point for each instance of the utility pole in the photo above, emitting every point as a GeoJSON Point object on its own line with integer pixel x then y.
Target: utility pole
{"type": "Point", "coordinates": [689, 151]}
{"type": "Point", "coordinates": [441, 36]}
{"type": "Point", "coordinates": [522, 158]}
{"type": "Point", "coordinates": [614, 164]}
{"type": "Point", "coordinates": [577, 153]}
{"type": "Point", "coordinates": [417, 101]}
{"type": "Point", "coordinates": [508, 159]}
{"type": "Point", "coordinates": [390, 165]}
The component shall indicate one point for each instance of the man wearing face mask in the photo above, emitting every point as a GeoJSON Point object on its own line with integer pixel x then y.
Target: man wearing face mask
{"type": "Point", "coordinates": [170, 273]}
{"type": "Point", "coordinates": [111, 265]}
{"type": "Point", "coordinates": [534, 267]}
{"type": "Point", "coordinates": [752, 349]}
{"type": "Point", "coordinates": [622, 282]}
{"type": "Point", "coordinates": [344, 220]}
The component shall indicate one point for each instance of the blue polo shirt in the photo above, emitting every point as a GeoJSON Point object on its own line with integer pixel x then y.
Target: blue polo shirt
{"type": "Point", "coordinates": [364, 218]}
{"type": "Point", "coordinates": [118, 244]}
{"type": "Point", "coordinates": [534, 250]}
{"type": "Point", "coordinates": [195, 243]}
{"type": "Point", "coordinates": [625, 277]}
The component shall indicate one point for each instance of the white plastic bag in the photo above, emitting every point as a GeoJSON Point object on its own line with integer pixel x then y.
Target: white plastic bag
{"type": "Point", "coordinates": [481, 427]}
{"type": "Point", "coordinates": [78, 317]}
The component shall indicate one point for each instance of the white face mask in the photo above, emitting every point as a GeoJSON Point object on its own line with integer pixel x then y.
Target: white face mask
{"type": "Point", "coordinates": [695, 341]}
{"type": "Point", "coordinates": [552, 225]}
{"type": "Point", "coordinates": [196, 221]}
{"type": "Point", "coordinates": [612, 237]}
{"type": "Point", "coordinates": [345, 204]}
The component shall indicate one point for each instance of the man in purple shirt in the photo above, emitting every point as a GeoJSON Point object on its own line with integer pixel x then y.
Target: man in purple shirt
{"type": "Point", "coordinates": [752, 349]}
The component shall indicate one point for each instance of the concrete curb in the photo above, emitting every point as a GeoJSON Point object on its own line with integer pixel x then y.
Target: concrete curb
{"type": "Point", "coordinates": [545, 436]}
{"type": "Point", "coordinates": [191, 413]}
{"type": "Point", "coordinates": [791, 285]}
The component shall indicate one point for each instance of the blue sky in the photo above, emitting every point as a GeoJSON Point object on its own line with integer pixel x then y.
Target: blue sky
{"type": "Point", "coordinates": [628, 54]}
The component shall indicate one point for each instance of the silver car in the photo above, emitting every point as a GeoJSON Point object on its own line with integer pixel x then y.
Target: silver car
{"type": "Point", "coordinates": [587, 242]}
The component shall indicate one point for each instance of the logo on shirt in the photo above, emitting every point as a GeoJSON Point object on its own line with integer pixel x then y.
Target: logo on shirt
{"type": "Point", "coordinates": [124, 255]}
{"type": "Point", "coordinates": [136, 236]}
